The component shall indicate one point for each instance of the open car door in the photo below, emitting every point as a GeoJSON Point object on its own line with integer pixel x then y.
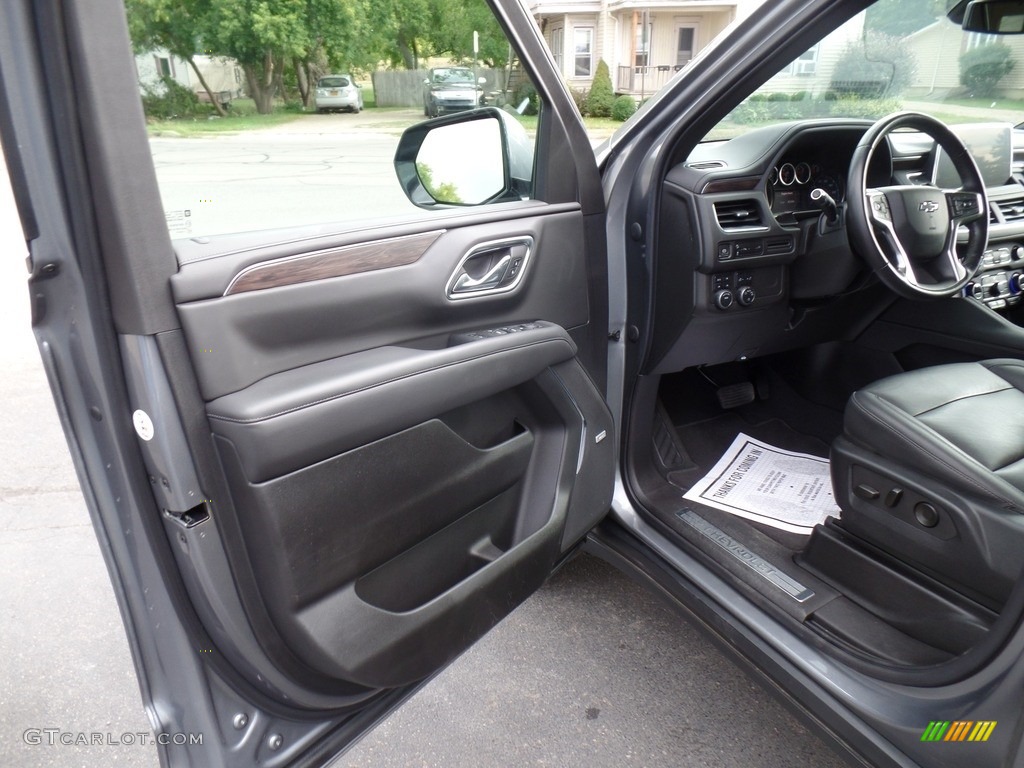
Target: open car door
{"type": "Point", "coordinates": [321, 461]}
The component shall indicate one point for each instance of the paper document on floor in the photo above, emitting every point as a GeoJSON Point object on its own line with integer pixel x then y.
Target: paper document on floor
{"type": "Point", "coordinates": [783, 489]}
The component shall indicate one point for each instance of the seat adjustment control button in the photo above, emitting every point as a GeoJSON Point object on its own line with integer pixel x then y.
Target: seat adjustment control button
{"type": "Point", "coordinates": [866, 492]}
{"type": "Point", "coordinates": [926, 514]}
{"type": "Point", "coordinates": [892, 498]}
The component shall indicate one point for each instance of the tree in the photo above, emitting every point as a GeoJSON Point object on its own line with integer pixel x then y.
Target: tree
{"type": "Point", "coordinates": [335, 39]}
{"type": "Point", "coordinates": [452, 31]}
{"type": "Point", "coordinates": [406, 31]}
{"type": "Point", "coordinates": [601, 96]}
{"type": "Point", "coordinates": [898, 18]}
{"type": "Point", "coordinates": [876, 66]}
{"type": "Point", "coordinates": [261, 36]}
{"type": "Point", "coordinates": [175, 26]}
{"type": "Point", "coordinates": [397, 28]}
{"type": "Point", "coordinates": [982, 68]}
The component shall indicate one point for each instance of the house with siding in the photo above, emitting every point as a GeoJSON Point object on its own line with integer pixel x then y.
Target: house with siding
{"type": "Point", "coordinates": [222, 73]}
{"type": "Point", "coordinates": [937, 49]}
{"type": "Point", "coordinates": [645, 42]}
{"type": "Point", "coordinates": [814, 71]}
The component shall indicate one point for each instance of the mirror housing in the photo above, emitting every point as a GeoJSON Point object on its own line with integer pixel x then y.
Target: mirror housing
{"type": "Point", "coordinates": [469, 158]}
{"type": "Point", "coordinates": [992, 17]}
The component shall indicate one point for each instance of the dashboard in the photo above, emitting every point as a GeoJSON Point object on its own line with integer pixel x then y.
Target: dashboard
{"type": "Point", "coordinates": [752, 252]}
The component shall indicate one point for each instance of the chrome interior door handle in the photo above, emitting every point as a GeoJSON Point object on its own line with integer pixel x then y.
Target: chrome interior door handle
{"type": "Point", "coordinates": [489, 268]}
{"type": "Point", "coordinates": [491, 279]}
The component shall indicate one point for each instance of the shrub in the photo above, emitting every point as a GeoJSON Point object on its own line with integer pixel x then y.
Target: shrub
{"type": "Point", "coordinates": [762, 111]}
{"type": "Point", "coordinates": [169, 98]}
{"type": "Point", "coordinates": [876, 66]}
{"type": "Point", "coordinates": [579, 97]}
{"type": "Point", "coordinates": [622, 108]}
{"type": "Point", "coordinates": [983, 67]}
{"type": "Point", "coordinates": [871, 109]}
{"type": "Point", "coordinates": [601, 96]}
{"type": "Point", "coordinates": [525, 90]}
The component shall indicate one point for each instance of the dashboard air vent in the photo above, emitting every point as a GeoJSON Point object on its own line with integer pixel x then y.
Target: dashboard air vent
{"type": "Point", "coordinates": [738, 214]}
{"type": "Point", "coordinates": [1011, 210]}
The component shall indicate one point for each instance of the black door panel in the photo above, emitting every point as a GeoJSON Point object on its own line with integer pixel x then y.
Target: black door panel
{"type": "Point", "coordinates": [295, 418]}
{"type": "Point", "coordinates": [238, 339]}
{"type": "Point", "coordinates": [379, 564]}
{"type": "Point", "coordinates": [404, 467]}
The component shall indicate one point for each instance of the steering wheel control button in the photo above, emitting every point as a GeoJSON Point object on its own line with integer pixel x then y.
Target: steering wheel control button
{"type": "Point", "coordinates": [724, 299]}
{"type": "Point", "coordinates": [866, 492]}
{"type": "Point", "coordinates": [926, 514]}
{"type": "Point", "coordinates": [881, 207]}
{"type": "Point", "coordinates": [892, 498]}
{"type": "Point", "coordinates": [964, 205]}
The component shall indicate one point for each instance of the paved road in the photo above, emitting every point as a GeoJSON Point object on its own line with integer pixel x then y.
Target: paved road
{"type": "Point", "coordinates": [590, 671]}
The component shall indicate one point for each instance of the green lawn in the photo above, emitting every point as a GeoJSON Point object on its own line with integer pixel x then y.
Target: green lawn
{"type": "Point", "coordinates": [1013, 104]}
{"type": "Point", "coordinates": [207, 126]}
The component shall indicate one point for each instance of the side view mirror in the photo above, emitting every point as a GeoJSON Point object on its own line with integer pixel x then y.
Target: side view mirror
{"type": "Point", "coordinates": [481, 81]}
{"type": "Point", "coordinates": [469, 158]}
{"type": "Point", "coordinates": [426, 82]}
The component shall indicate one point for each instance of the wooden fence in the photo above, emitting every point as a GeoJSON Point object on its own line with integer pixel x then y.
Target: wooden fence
{"type": "Point", "coordinates": [404, 87]}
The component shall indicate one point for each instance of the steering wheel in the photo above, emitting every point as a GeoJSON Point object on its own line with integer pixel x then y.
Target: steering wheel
{"type": "Point", "coordinates": [908, 233]}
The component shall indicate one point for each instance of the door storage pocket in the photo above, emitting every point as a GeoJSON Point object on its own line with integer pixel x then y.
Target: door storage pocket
{"type": "Point", "coordinates": [451, 555]}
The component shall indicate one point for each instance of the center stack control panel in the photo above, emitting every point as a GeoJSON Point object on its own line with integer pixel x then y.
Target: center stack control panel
{"type": "Point", "coordinates": [1000, 279]}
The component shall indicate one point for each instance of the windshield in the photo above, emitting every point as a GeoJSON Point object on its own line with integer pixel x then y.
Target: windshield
{"type": "Point", "coordinates": [894, 56]}
{"type": "Point", "coordinates": [460, 76]}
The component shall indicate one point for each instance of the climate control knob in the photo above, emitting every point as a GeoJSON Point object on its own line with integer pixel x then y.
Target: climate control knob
{"type": "Point", "coordinates": [724, 299]}
{"type": "Point", "coordinates": [746, 296]}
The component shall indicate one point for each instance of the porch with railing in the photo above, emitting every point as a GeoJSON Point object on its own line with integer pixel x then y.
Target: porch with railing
{"type": "Point", "coordinates": [644, 80]}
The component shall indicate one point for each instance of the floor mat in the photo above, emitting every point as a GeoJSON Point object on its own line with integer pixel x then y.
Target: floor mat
{"type": "Point", "coordinates": [705, 441]}
{"type": "Point", "coordinates": [759, 481]}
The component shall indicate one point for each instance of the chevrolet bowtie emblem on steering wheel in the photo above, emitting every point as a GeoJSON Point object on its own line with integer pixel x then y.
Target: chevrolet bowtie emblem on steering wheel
{"type": "Point", "coordinates": [928, 206]}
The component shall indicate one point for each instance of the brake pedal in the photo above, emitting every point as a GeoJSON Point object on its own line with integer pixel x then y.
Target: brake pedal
{"type": "Point", "coordinates": [735, 395]}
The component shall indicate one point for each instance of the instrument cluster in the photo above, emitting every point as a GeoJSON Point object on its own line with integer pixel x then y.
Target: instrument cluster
{"type": "Point", "coordinates": [790, 184]}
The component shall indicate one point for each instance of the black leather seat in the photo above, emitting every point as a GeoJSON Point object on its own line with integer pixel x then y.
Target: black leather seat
{"type": "Point", "coordinates": [931, 469]}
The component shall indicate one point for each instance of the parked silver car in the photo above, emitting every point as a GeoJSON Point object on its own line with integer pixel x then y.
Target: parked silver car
{"type": "Point", "coordinates": [338, 92]}
{"type": "Point", "coordinates": [451, 89]}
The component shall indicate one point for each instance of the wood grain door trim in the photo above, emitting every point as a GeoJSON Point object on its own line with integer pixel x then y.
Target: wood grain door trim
{"type": "Point", "coordinates": [333, 262]}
